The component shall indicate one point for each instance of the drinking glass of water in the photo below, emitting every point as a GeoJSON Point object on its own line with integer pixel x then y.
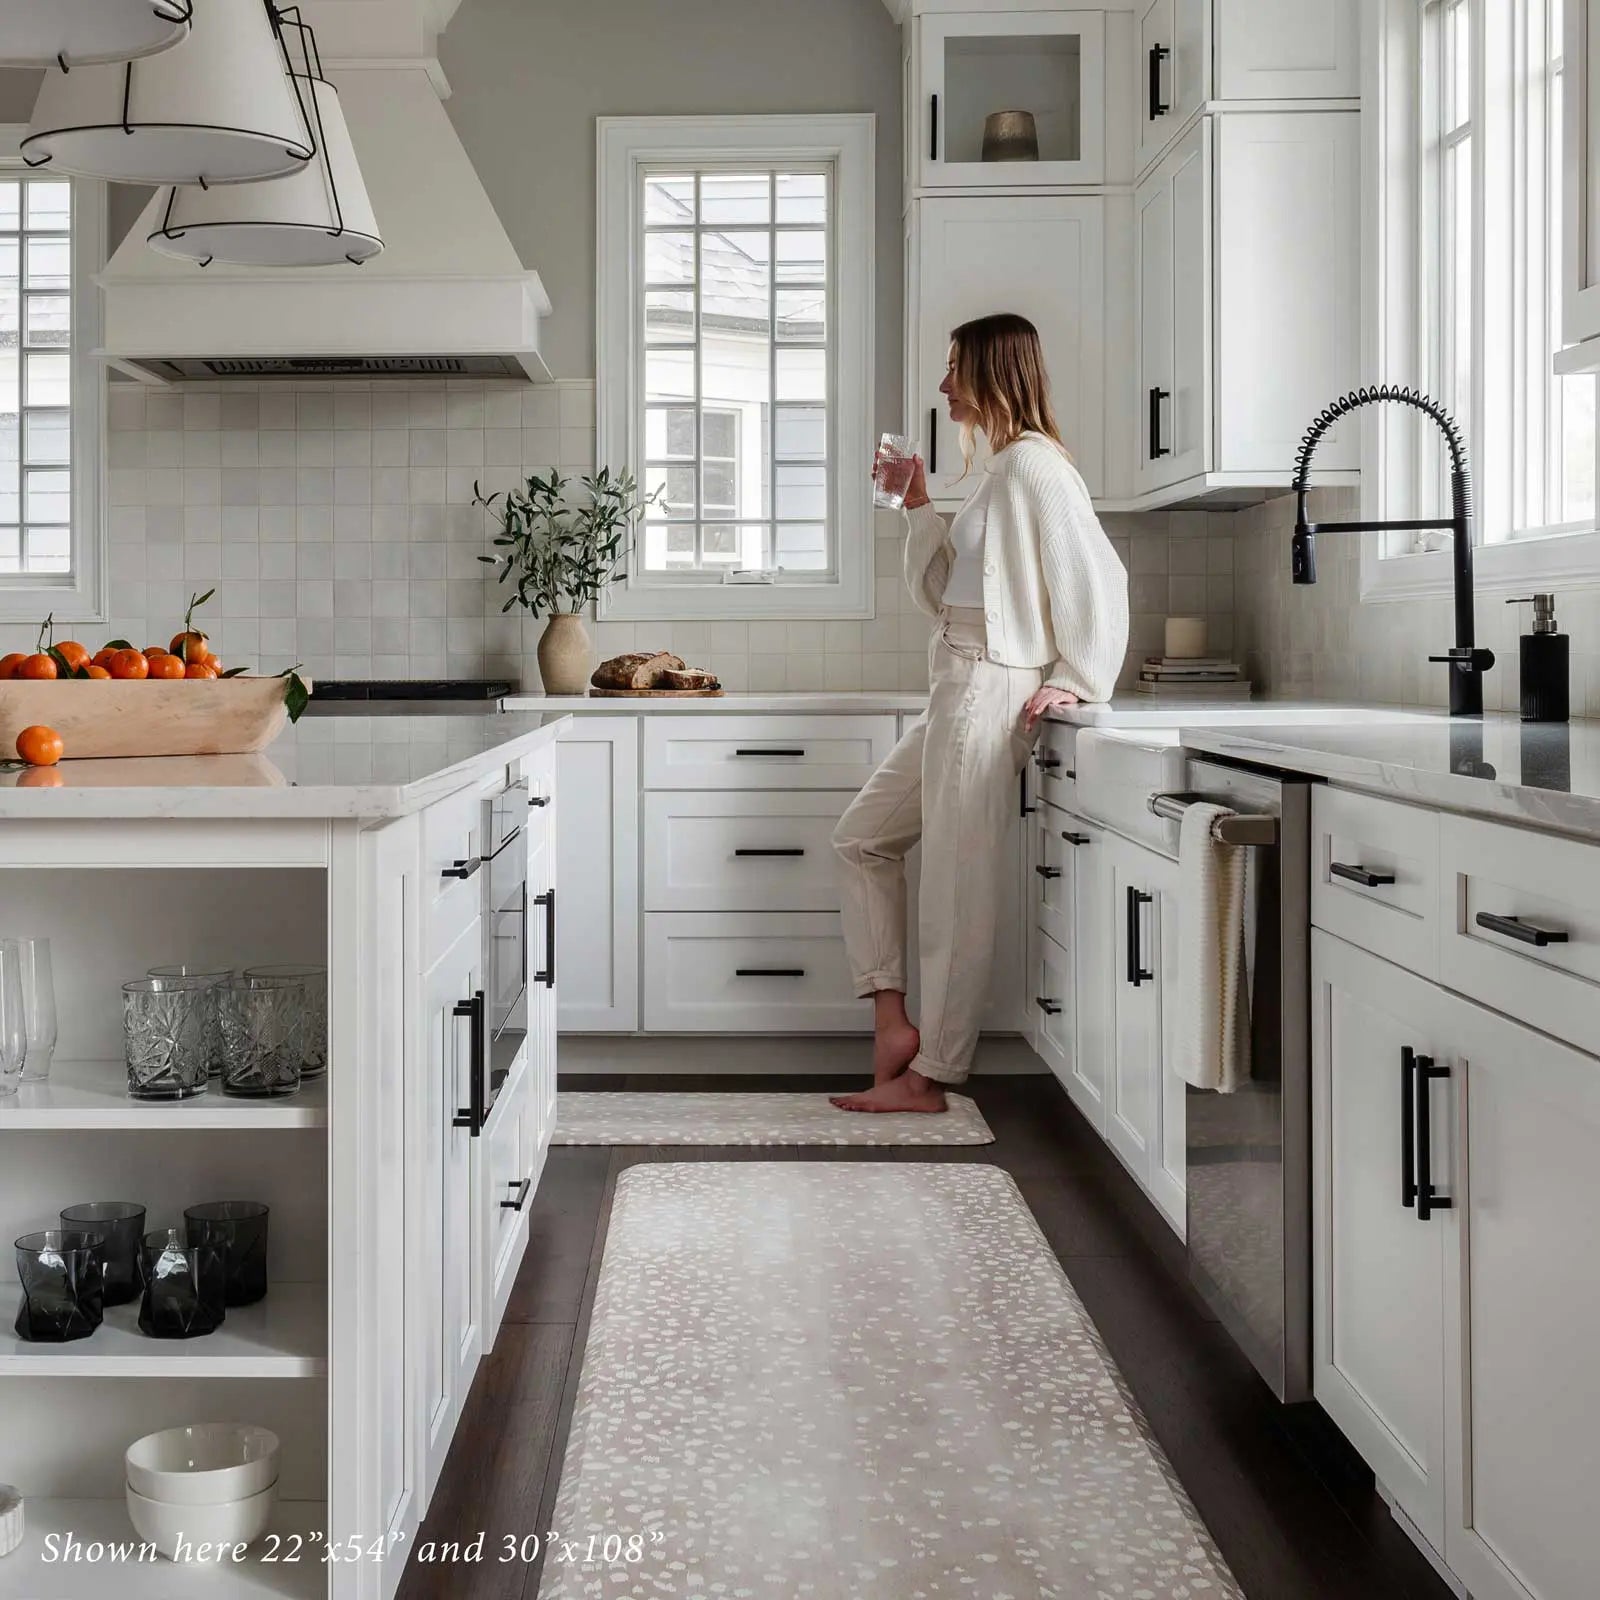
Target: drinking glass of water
{"type": "Point", "coordinates": [891, 472]}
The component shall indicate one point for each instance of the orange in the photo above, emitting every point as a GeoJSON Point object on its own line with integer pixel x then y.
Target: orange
{"type": "Point", "coordinates": [73, 653]}
{"type": "Point", "coordinates": [102, 658]}
{"type": "Point", "coordinates": [191, 646]}
{"type": "Point", "coordinates": [198, 669]}
{"type": "Point", "coordinates": [40, 746]}
{"type": "Point", "coordinates": [41, 778]}
{"type": "Point", "coordinates": [153, 650]}
{"type": "Point", "coordinates": [129, 664]}
{"type": "Point", "coordinates": [165, 666]}
{"type": "Point", "coordinates": [95, 670]}
{"type": "Point", "coordinates": [10, 663]}
{"type": "Point", "coordinates": [38, 666]}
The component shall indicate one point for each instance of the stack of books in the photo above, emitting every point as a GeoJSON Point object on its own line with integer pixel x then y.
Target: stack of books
{"type": "Point", "coordinates": [1193, 677]}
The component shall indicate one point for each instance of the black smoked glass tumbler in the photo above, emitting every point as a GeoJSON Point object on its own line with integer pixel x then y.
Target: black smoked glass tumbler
{"type": "Point", "coordinates": [185, 1287]}
{"type": "Point", "coordinates": [63, 1294]}
{"type": "Point", "coordinates": [121, 1223]}
{"type": "Point", "coordinates": [237, 1228]}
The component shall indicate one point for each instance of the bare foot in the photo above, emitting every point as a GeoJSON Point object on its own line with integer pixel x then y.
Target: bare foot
{"type": "Point", "coordinates": [908, 1092]}
{"type": "Point", "coordinates": [893, 1050]}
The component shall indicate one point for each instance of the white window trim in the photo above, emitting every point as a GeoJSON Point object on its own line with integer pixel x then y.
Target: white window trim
{"type": "Point", "coordinates": [80, 596]}
{"type": "Point", "coordinates": [625, 143]}
{"type": "Point", "coordinates": [1399, 461]}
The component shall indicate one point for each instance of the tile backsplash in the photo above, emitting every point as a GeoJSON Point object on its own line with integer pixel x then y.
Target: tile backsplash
{"type": "Point", "coordinates": [336, 523]}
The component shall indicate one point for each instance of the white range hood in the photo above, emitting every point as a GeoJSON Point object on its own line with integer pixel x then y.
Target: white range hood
{"type": "Point", "coordinates": [448, 296]}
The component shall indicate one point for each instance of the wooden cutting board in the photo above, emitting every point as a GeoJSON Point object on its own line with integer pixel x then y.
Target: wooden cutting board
{"type": "Point", "coordinates": [654, 694]}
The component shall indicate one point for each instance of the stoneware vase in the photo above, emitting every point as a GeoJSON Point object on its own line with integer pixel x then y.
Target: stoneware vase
{"type": "Point", "coordinates": [564, 655]}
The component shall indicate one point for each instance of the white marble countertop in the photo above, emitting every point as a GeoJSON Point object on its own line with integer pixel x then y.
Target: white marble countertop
{"type": "Point", "coordinates": [332, 765]}
{"type": "Point", "coordinates": [820, 704]}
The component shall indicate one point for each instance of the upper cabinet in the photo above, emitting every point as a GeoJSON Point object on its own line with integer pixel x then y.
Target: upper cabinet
{"type": "Point", "coordinates": [1174, 58]}
{"type": "Point", "coordinates": [1580, 267]}
{"type": "Point", "coordinates": [1048, 64]}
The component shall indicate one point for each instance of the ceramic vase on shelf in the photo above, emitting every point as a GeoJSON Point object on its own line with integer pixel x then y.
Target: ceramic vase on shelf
{"type": "Point", "coordinates": [564, 654]}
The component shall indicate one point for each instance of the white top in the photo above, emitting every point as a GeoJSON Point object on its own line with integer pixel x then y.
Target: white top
{"type": "Point", "coordinates": [1055, 595]}
{"type": "Point", "coordinates": [964, 586]}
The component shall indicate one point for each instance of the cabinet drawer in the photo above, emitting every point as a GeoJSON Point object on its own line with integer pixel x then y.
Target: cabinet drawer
{"type": "Point", "coordinates": [539, 773]}
{"type": "Point", "coordinates": [1055, 764]}
{"type": "Point", "coordinates": [1520, 925]}
{"type": "Point", "coordinates": [742, 972]}
{"type": "Point", "coordinates": [1051, 999]}
{"type": "Point", "coordinates": [835, 752]}
{"type": "Point", "coordinates": [724, 850]}
{"type": "Point", "coordinates": [505, 1202]}
{"type": "Point", "coordinates": [1051, 873]}
{"type": "Point", "coordinates": [452, 844]}
{"type": "Point", "coordinates": [1374, 876]}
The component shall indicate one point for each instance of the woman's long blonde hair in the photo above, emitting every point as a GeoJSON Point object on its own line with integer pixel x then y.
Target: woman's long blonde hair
{"type": "Point", "coordinates": [999, 373]}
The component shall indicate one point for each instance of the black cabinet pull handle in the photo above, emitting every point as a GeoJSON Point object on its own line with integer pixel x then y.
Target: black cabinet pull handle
{"type": "Point", "coordinates": [1022, 786]}
{"type": "Point", "coordinates": [1358, 874]}
{"type": "Point", "coordinates": [1157, 106]}
{"type": "Point", "coordinates": [1051, 1008]}
{"type": "Point", "coordinates": [537, 800]}
{"type": "Point", "coordinates": [769, 972]}
{"type": "Point", "coordinates": [522, 1195]}
{"type": "Point", "coordinates": [784, 850]}
{"type": "Point", "coordinates": [474, 1114]}
{"type": "Point", "coordinates": [933, 130]}
{"type": "Point", "coordinates": [770, 751]}
{"type": "Point", "coordinates": [1427, 1200]}
{"type": "Point", "coordinates": [1046, 763]}
{"type": "Point", "coordinates": [1408, 1127]}
{"type": "Point", "coordinates": [1157, 449]}
{"type": "Point", "coordinates": [1048, 872]}
{"type": "Point", "coordinates": [933, 438]}
{"type": "Point", "coordinates": [1136, 968]}
{"type": "Point", "coordinates": [1078, 838]}
{"type": "Point", "coordinates": [463, 869]}
{"type": "Point", "coordinates": [548, 975]}
{"type": "Point", "coordinates": [1522, 932]}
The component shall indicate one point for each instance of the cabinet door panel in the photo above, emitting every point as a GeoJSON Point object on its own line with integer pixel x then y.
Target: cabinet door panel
{"type": "Point", "coordinates": [1287, 49]}
{"type": "Point", "coordinates": [1094, 927]}
{"type": "Point", "coordinates": [1180, 80]}
{"type": "Point", "coordinates": [1042, 257]}
{"type": "Point", "coordinates": [1133, 1083]}
{"type": "Point", "coordinates": [1153, 231]}
{"type": "Point", "coordinates": [1580, 267]}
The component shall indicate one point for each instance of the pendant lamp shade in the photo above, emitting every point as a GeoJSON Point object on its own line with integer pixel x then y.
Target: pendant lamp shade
{"type": "Point", "coordinates": [84, 33]}
{"type": "Point", "coordinates": [318, 216]}
{"type": "Point", "coordinates": [222, 109]}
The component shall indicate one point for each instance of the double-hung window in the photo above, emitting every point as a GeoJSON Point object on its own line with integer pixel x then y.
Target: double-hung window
{"type": "Point", "coordinates": [51, 393]}
{"type": "Point", "coordinates": [734, 363]}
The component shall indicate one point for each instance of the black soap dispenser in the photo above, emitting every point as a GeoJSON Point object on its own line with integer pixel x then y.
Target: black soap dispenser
{"type": "Point", "coordinates": [1545, 694]}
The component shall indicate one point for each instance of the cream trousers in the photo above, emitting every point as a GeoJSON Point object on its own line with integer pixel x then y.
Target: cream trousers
{"type": "Point", "coordinates": [950, 782]}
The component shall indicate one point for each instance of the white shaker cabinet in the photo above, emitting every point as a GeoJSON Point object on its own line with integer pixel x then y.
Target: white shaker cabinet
{"type": "Point", "coordinates": [1041, 256]}
{"type": "Point", "coordinates": [1174, 61]}
{"type": "Point", "coordinates": [1580, 221]}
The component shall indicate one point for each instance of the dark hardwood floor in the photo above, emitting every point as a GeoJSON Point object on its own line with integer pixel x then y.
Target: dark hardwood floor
{"type": "Point", "coordinates": [1290, 1504]}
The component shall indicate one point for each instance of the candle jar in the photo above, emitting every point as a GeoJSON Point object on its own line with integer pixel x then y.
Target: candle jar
{"type": "Point", "coordinates": [238, 1229]}
{"type": "Point", "coordinates": [63, 1285]}
{"type": "Point", "coordinates": [164, 1032]}
{"type": "Point", "coordinates": [206, 980]}
{"type": "Point", "coordinates": [185, 1287]}
{"type": "Point", "coordinates": [263, 1036]}
{"type": "Point", "coordinates": [314, 979]}
{"type": "Point", "coordinates": [121, 1225]}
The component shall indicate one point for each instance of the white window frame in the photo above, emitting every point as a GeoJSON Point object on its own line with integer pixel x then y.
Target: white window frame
{"type": "Point", "coordinates": [78, 596]}
{"type": "Point", "coordinates": [846, 142]}
{"type": "Point", "coordinates": [1401, 455]}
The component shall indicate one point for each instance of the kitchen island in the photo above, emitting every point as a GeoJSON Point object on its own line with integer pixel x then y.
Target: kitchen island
{"type": "Point", "coordinates": [398, 1181]}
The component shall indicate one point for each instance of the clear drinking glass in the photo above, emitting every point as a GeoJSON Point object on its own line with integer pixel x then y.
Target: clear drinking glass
{"type": "Point", "coordinates": [263, 1036]}
{"type": "Point", "coordinates": [207, 979]}
{"type": "Point", "coordinates": [164, 1034]}
{"type": "Point", "coordinates": [314, 977]}
{"type": "Point", "coordinates": [13, 1018]}
{"type": "Point", "coordinates": [38, 1006]}
{"type": "Point", "coordinates": [891, 472]}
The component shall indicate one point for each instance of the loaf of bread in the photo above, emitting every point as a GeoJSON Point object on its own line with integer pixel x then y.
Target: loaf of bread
{"type": "Point", "coordinates": [639, 669]}
{"type": "Point", "coordinates": [685, 678]}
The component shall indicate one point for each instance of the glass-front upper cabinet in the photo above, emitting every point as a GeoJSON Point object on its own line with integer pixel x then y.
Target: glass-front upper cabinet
{"type": "Point", "coordinates": [1012, 99]}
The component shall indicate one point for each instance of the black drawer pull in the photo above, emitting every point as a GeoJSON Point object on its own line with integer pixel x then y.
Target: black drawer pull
{"type": "Point", "coordinates": [1408, 1127]}
{"type": "Point", "coordinates": [1051, 1008]}
{"type": "Point", "coordinates": [547, 976]}
{"type": "Point", "coordinates": [1137, 972]}
{"type": "Point", "coordinates": [1078, 838]}
{"type": "Point", "coordinates": [1157, 449]}
{"type": "Point", "coordinates": [522, 1195]}
{"type": "Point", "coordinates": [1157, 106]}
{"type": "Point", "coordinates": [933, 130]}
{"type": "Point", "coordinates": [475, 1113]}
{"type": "Point", "coordinates": [769, 752]}
{"type": "Point", "coordinates": [463, 869]}
{"type": "Point", "coordinates": [1427, 1200]}
{"type": "Point", "coordinates": [782, 850]}
{"type": "Point", "coordinates": [933, 439]}
{"type": "Point", "coordinates": [537, 800]}
{"type": "Point", "coordinates": [769, 972]}
{"type": "Point", "coordinates": [1523, 932]}
{"type": "Point", "coordinates": [1022, 786]}
{"type": "Point", "coordinates": [1365, 876]}
{"type": "Point", "coordinates": [1046, 763]}
{"type": "Point", "coordinates": [1048, 872]}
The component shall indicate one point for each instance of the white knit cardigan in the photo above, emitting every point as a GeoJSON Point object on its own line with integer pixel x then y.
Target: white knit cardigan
{"type": "Point", "coordinates": [1055, 593]}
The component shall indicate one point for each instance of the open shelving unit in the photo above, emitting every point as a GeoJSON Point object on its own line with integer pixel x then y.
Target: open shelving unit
{"type": "Point", "coordinates": [94, 1094]}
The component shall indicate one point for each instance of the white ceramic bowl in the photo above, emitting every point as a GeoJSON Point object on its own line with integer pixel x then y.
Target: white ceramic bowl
{"type": "Point", "coordinates": [235, 1522]}
{"type": "Point", "coordinates": [204, 1464]}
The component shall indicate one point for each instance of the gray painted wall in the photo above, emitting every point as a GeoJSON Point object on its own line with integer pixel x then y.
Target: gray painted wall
{"type": "Point", "coordinates": [529, 81]}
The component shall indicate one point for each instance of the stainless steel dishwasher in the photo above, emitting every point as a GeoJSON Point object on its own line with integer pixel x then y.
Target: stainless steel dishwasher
{"type": "Point", "coordinates": [1249, 1152]}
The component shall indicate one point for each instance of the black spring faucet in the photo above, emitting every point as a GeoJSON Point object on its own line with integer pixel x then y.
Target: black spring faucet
{"type": "Point", "coordinates": [1467, 663]}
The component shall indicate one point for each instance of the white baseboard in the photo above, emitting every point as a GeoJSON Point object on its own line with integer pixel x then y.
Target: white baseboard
{"type": "Point", "coordinates": [998, 1054]}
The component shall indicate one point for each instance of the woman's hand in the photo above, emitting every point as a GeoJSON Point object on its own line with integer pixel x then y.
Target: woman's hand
{"type": "Point", "coordinates": [1042, 700]}
{"type": "Point", "coordinates": [917, 490]}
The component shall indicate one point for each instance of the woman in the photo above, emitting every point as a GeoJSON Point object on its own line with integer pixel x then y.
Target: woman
{"type": "Point", "coordinates": [1032, 605]}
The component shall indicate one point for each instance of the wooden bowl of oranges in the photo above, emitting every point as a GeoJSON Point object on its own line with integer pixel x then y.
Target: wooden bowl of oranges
{"type": "Point", "coordinates": [164, 700]}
